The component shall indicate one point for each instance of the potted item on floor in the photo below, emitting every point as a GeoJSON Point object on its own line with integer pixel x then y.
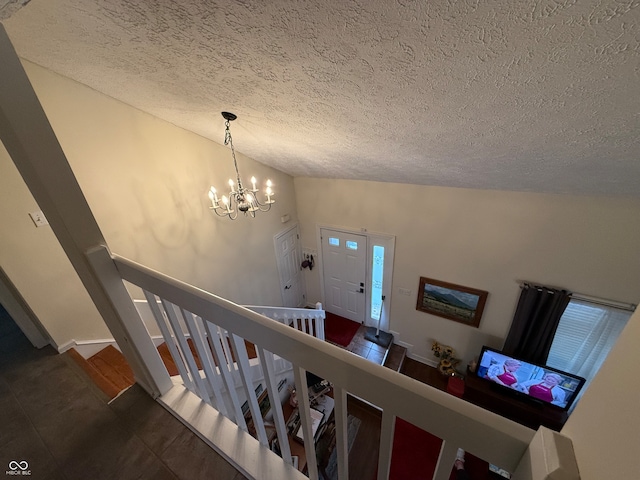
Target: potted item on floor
{"type": "Point", "coordinates": [447, 360]}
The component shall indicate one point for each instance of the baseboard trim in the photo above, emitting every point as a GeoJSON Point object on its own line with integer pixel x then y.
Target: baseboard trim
{"type": "Point", "coordinates": [88, 348]}
{"type": "Point", "coordinates": [64, 347]}
{"type": "Point", "coordinates": [424, 360]}
{"type": "Point", "coordinates": [406, 345]}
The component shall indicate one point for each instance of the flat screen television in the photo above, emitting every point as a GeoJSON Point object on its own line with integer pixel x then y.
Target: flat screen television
{"type": "Point", "coordinates": [538, 383]}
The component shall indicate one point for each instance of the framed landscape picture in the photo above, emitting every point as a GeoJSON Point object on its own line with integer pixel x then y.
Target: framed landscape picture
{"type": "Point", "coordinates": [455, 302]}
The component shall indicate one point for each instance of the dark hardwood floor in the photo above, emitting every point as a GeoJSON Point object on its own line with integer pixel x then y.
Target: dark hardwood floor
{"type": "Point", "coordinates": [424, 373]}
{"type": "Point", "coordinates": [363, 457]}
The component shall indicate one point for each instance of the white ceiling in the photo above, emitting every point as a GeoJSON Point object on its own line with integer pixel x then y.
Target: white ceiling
{"type": "Point", "coordinates": [493, 94]}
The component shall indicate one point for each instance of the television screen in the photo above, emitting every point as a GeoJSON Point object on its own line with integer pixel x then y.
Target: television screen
{"type": "Point", "coordinates": [539, 383]}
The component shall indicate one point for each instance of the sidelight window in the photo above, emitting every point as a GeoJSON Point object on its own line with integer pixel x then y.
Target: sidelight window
{"type": "Point", "coordinates": [377, 274]}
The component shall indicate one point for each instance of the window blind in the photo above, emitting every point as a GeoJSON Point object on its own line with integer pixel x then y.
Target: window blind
{"type": "Point", "coordinates": [585, 335]}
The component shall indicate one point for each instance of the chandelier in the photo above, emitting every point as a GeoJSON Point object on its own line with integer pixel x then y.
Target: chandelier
{"type": "Point", "coordinates": [240, 199]}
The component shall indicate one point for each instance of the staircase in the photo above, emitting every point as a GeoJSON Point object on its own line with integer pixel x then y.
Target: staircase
{"type": "Point", "coordinates": [108, 369]}
{"type": "Point", "coordinates": [111, 373]}
{"type": "Point", "coordinates": [395, 357]}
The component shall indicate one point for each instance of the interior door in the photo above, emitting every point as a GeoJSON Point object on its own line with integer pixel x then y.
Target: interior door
{"type": "Point", "coordinates": [289, 258]}
{"type": "Point", "coordinates": [344, 268]}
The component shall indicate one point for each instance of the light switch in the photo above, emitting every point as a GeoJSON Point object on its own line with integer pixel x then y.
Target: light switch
{"type": "Point", "coordinates": [39, 219]}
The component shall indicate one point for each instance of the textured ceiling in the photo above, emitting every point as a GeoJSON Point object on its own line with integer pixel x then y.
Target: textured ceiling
{"type": "Point", "coordinates": [493, 94]}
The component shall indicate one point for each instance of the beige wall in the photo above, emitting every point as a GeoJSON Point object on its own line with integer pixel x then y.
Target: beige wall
{"type": "Point", "coordinates": [482, 239]}
{"type": "Point", "coordinates": [490, 240]}
{"type": "Point", "coordinates": [605, 426]}
{"type": "Point", "coordinates": [36, 264]}
{"type": "Point", "coordinates": [146, 182]}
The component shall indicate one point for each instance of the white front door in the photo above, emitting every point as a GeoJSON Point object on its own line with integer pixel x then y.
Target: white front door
{"type": "Point", "coordinates": [289, 258]}
{"type": "Point", "coordinates": [344, 269]}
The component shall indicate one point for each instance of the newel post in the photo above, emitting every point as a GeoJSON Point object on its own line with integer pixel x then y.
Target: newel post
{"type": "Point", "coordinates": [127, 326]}
{"type": "Point", "coordinates": [550, 456]}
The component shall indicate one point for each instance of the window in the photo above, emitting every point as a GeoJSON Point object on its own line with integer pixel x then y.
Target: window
{"type": "Point", "coordinates": [334, 242]}
{"type": "Point", "coordinates": [351, 245]}
{"type": "Point", "coordinates": [377, 273]}
{"type": "Point", "coordinates": [585, 335]}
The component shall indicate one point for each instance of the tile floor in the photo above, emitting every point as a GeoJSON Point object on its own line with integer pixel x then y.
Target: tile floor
{"type": "Point", "coordinates": [366, 349]}
{"type": "Point", "coordinates": [52, 418]}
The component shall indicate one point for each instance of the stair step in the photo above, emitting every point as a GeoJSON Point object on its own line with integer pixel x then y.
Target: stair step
{"type": "Point", "coordinates": [110, 372]}
{"type": "Point", "coordinates": [165, 355]}
{"type": "Point", "coordinates": [104, 384]}
{"type": "Point", "coordinates": [395, 357]}
{"type": "Point", "coordinates": [113, 366]}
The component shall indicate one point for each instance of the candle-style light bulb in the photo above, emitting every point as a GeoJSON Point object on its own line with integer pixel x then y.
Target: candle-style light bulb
{"type": "Point", "coordinates": [225, 200]}
{"type": "Point", "coordinates": [269, 192]}
{"type": "Point", "coordinates": [231, 184]}
{"type": "Point", "coordinates": [253, 182]}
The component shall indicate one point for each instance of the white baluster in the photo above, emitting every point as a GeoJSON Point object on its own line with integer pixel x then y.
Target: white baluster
{"type": "Point", "coordinates": [242, 360]}
{"type": "Point", "coordinates": [187, 355]}
{"type": "Point", "coordinates": [169, 340]}
{"type": "Point", "coordinates": [267, 362]}
{"type": "Point", "coordinates": [386, 444]}
{"type": "Point", "coordinates": [216, 340]}
{"type": "Point", "coordinates": [204, 352]}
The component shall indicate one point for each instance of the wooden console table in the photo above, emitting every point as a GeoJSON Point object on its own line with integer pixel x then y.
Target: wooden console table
{"type": "Point", "coordinates": [531, 415]}
{"type": "Point", "coordinates": [482, 394]}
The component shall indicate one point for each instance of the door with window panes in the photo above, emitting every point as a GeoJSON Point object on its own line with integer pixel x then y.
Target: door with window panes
{"type": "Point", "coordinates": [344, 270]}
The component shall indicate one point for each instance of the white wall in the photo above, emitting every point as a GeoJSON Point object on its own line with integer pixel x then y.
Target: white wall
{"type": "Point", "coordinates": [605, 426]}
{"type": "Point", "coordinates": [488, 240]}
{"type": "Point", "coordinates": [146, 182]}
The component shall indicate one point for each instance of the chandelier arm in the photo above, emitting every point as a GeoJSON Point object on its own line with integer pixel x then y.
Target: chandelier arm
{"type": "Point", "coordinates": [265, 208]}
{"type": "Point", "coordinates": [226, 214]}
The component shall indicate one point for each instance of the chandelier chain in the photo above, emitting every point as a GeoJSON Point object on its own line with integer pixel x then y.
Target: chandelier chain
{"type": "Point", "coordinates": [229, 141]}
{"type": "Point", "coordinates": [245, 200]}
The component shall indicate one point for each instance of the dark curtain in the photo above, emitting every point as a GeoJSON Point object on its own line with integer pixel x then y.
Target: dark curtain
{"type": "Point", "coordinates": [535, 322]}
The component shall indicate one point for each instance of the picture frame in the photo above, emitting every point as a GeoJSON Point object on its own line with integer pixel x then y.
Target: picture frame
{"type": "Point", "coordinates": [451, 301]}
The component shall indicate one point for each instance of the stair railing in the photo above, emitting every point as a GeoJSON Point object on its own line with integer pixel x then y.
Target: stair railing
{"type": "Point", "coordinates": [221, 328]}
{"type": "Point", "coordinates": [306, 320]}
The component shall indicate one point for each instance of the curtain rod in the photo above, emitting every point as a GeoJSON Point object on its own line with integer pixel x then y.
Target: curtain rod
{"type": "Point", "coordinates": [630, 307]}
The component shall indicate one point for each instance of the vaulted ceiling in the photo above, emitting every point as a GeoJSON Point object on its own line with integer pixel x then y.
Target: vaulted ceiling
{"type": "Point", "coordinates": [493, 94]}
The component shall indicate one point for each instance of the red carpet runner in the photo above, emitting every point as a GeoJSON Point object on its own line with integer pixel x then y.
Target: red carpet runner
{"type": "Point", "coordinates": [415, 453]}
{"type": "Point", "coordinates": [339, 330]}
